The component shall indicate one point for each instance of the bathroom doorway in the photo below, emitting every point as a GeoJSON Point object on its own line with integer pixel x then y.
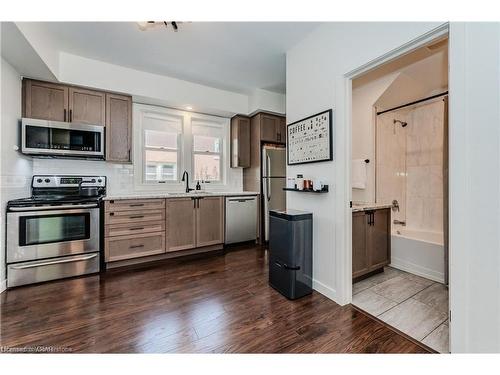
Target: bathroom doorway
{"type": "Point", "coordinates": [399, 179]}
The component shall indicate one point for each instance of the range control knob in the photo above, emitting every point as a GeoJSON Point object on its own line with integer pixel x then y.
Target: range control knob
{"type": "Point", "coordinates": [93, 180]}
{"type": "Point", "coordinates": [39, 180]}
{"type": "Point", "coordinates": [99, 180]}
{"type": "Point", "coordinates": [47, 180]}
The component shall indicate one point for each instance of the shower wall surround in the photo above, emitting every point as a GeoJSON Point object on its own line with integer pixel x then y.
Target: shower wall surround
{"type": "Point", "coordinates": [410, 165]}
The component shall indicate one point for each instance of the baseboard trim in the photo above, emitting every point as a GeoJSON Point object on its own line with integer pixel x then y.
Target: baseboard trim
{"type": "Point", "coordinates": [417, 270]}
{"type": "Point", "coordinates": [325, 290]}
{"type": "Point", "coordinates": [3, 286]}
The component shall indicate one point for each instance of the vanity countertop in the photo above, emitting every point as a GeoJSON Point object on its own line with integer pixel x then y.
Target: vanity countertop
{"type": "Point", "coordinates": [161, 195]}
{"type": "Point", "coordinates": [357, 207]}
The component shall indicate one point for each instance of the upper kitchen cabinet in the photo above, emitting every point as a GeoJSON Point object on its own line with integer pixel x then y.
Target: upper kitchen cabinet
{"type": "Point", "coordinates": [87, 106]}
{"type": "Point", "coordinates": [118, 127]}
{"type": "Point", "coordinates": [45, 100]}
{"type": "Point", "coordinates": [272, 128]}
{"type": "Point", "coordinates": [240, 142]}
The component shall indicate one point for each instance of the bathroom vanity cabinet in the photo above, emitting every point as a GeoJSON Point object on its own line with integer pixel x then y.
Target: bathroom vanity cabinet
{"type": "Point", "coordinates": [371, 240]}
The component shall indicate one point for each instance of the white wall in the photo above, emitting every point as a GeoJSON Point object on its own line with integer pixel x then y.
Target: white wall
{"type": "Point", "coordinates": [364, 98]}
{"type": "Point", "coordinates": [260, 100]}
{"type": "Point", "coordinates": [15, 172]}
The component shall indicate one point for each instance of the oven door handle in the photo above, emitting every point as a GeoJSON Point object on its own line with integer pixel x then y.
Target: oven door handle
{"type": "Point", "coordinates": [46, 208]}
{"type": "Point", "coordinates": [85, 257]}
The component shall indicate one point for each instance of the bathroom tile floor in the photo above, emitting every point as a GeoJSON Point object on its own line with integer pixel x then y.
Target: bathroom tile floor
{"type": "Point", "coordinates": [412, 304]}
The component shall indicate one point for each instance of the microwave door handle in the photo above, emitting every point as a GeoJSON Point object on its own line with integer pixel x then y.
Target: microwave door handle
{"type": "Point", "coordinates": [48, 263]}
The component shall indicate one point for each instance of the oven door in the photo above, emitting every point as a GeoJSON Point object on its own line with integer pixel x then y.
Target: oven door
{"type": "Point", "coordinates": [54, 138]}
{"type": "Point", "coordinates": [44, 234]}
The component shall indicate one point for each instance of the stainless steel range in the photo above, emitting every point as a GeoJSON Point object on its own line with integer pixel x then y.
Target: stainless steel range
{"type": "Point", "coordinates": [55, 233]}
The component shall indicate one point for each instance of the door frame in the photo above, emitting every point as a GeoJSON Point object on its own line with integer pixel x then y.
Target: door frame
{"type": "Point", "coordinates": [344, 292]}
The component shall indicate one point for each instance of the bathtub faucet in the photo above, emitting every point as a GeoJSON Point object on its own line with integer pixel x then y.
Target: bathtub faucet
{"type": "Point", "coordinates": [399, 222]}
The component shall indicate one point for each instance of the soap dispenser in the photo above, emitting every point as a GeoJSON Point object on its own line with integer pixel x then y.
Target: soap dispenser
{"type": "Point", "coordinates": [198, 186]}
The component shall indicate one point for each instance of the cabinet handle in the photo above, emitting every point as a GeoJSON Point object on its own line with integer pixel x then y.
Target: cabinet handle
{"type": "Point", "coordinates": [136, 205]}
{"type": "Point", "coordinates": [135, 246]}
{"type": "Point", "coordinates": [136, 217]}
{"type": "Point", "coordinates": [64, 114]}
{"type": "Point", "coordinates": [70, 115]}
{"type": "Point", "coordinates": [138, 228]}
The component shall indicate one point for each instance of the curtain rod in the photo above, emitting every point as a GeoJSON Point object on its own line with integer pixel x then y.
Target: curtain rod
{"type": "Point", "coordinates": [412, 103]}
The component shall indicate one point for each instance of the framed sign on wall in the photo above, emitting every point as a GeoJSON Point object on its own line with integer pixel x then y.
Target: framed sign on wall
{"type": "Point", "coordinates": [310, 140]}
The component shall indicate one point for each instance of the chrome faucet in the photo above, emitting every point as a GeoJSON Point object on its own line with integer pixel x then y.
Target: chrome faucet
{"type": "Point", "coordinates": [185, 177]}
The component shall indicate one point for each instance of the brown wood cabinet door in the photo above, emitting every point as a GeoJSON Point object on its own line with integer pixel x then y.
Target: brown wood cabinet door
{"type": "Point", "coordinates": [118, 128]}
{"type": "Point", "coordinates": [360, 260]}
{"type": "Point", "coordinates": [87, 106]}
{"type": "Point", "coordinates": [282, 130]}
{"type": "Point", "coordinates": [181, 224]}
{"type": "Point", "coordinates": [210, 221]}
{"type": "Point", "coordinates": [45, 101]}
{"type": "Point", "coordinates": [240, 142]}
{"type": "Point", "coordinates": [379, 239]}
{"type": "Point", "coordinates": [269, 128]}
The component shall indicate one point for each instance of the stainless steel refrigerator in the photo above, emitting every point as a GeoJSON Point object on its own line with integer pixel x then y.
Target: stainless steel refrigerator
{"type": "Point", "coordinates": [273, 181]}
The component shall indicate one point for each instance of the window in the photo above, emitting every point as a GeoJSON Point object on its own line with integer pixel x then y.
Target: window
{"type": "Point", "coordinates": [161, 149]}
{"type": "Point", "coordinates": [169, 142]}
{"type": "Point", "coordinates": [207, 152]}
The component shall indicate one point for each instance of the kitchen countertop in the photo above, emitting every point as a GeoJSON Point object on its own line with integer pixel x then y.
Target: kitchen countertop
{"type": "Point", "coordinates": [161, 195]}
{"type": "Point", "coordinates": [357, 207]}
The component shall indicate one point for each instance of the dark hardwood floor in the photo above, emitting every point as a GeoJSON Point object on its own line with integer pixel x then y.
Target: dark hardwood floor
{"type": "Point", "coordinates": [218, 304]}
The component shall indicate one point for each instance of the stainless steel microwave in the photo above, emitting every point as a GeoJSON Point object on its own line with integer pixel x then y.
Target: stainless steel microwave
{"type": "Point", "coordinates": [61, 139]}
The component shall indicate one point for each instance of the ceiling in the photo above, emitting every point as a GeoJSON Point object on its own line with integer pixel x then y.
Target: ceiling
{"type": "Point", "coordinates": [236, 56]}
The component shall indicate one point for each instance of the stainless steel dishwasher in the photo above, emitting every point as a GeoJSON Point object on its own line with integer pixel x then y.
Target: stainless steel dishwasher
{"type": "Point", "coordinates": [241, 219]}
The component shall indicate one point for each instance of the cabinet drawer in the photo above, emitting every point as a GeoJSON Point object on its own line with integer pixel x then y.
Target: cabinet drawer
{"type": "Point", "coordinates": [126, 247]}
{"type": "Point", "coordinates": [134, 217]}
{"type": "Point", "coordinates": [127, 229]}
{"type": "Point", "coordinates": [134, 204]}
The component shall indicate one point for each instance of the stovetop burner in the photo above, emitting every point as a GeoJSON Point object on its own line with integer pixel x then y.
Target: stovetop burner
{"type": "Point", "coordinates": [61, 190]}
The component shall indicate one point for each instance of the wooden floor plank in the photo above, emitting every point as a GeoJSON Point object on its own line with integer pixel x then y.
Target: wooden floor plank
{"type": "Point", "coordinates": [219, 304]}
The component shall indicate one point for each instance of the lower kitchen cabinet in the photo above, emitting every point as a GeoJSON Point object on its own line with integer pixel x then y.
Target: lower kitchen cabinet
{"type": "Point", "coordinates": [194, 222]}
{"type": "Point", "coordinates": [181, 224]}
{"type": "Point", "coordinates": [371, 241]}
{"type": "Point", "coordinates": [209, 221]}
{"type": "Point", "coordinates": [134, 246]}
{"type": "Point", "coordinates": [135, 228]}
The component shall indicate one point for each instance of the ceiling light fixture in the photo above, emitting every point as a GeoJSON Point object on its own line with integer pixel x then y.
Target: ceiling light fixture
{"type": "Point", "coordinates": [146, 25]}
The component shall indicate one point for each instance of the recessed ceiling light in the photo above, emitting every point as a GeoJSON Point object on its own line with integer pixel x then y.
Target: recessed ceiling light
{"type": "Point", "coordinates": [189, 107]}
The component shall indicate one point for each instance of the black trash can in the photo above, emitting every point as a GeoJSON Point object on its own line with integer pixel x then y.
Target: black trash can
{"type": "Point", "coordinates": [290, 252]}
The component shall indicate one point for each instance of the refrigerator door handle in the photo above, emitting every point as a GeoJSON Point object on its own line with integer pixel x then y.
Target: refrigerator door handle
{"type": "Point", "coordinates": [268, 166]}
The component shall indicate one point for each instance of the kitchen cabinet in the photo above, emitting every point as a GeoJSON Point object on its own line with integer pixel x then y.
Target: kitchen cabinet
{"type": "Point", "coordinates": [118, 128]}
{"type": "Point", "coordinates": [240, 142]}
{"type": "Point", "coordinates": [66, 103]}
{"type": "Point", "coordinates": [87, 106]}
{"type": "Point", "coordinates": [194, 222]}
{"type": "Point", "coordinates": [45, 100]}
{"type": "Point", "coordinates": [371, 241]}
{"type": "Point", "coordinates": [209, 221]}
{"type": "Point", "coordinates": [133, 228]}
{"type": "Point", "coordinates": [181, 224]}
{"type": "Point", "coordinates": [272, 128]}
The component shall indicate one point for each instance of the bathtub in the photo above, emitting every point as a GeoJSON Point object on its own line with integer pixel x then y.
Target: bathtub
{"type": "Point", "coordinates": [419, 252]}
